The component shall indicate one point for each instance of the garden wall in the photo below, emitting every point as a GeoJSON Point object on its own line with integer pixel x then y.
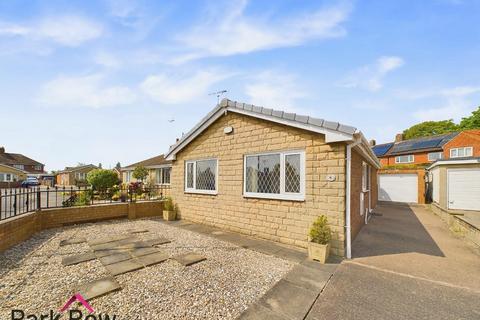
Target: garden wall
{"type": "Point", "coordinates": [21, 228]}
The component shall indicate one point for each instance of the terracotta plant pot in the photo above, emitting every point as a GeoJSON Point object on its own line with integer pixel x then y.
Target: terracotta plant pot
{"type": "Point", "coordinates": [169, 215]}
{"type": "Point", "coordinates": [318, 252]}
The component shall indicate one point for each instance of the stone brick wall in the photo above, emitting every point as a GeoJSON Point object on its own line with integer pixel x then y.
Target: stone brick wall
{"type": "Point", "coordinates": [16, 230]}
{"type": "Point", "coordinates": [278, 220]}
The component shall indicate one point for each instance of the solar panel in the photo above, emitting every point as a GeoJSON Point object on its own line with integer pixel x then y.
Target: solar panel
{"type": "Point", "coordinates": [422, 143]}
{"type": "Point", "coordinates": [380, 150]}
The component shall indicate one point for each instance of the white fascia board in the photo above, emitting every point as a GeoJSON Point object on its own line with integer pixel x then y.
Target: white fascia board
{"type": "Point", "coordinates": [465, 161]}
{"type": "Point", "coordinates": [171, 155]}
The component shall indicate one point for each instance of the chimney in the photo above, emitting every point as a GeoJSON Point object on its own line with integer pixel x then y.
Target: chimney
{"type": "Point", "coordinates": [373, 143]}
{"type": "Point", "coordinates": [177, 140]}
{"type": "Point", "coordinates": [399, 137]}
{"type": "Point", "coordinates": [2, 149]}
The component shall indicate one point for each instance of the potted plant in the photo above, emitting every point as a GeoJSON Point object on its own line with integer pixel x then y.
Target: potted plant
{"type": "Point", "coordinates": [169, 209]}
{"type": "Point", "coordinates": [319, 240]}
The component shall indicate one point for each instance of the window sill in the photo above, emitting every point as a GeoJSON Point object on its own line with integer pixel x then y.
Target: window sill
{"type": "Point", "coordinates": [299, 198]}
{"type": "Point", "coordinates": [205, 192]}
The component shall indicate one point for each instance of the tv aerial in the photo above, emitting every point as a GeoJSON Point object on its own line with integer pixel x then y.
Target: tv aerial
{"type": "Point", "coordinates": [218, 94]}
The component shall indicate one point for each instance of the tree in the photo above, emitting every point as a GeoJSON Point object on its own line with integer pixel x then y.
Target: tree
{"type": "Point", "coordinates": [118, 165]}
{"type": "Point", "coordinates": [100, 165]}
{"type": "Point", "coordinates": [102, 179]}
{"type": "Point", "coordinates": [140, 173]}
{"type": "Point", "coordinates": [472, 122]}
{"type": "Point", "coordinates": [430, 128]}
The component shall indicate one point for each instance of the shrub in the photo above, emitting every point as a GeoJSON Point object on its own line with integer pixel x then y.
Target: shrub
{"type": "Point", "coordinates": [168, 205]}
{"type": "Point", "coordinates": [102, 179]}
{"type": "Point", "coordinates": [140, 173]}
{"type": "Point", "coordinates": [83, 198]}
{"type": "Point", "coordinates": [320, 231]}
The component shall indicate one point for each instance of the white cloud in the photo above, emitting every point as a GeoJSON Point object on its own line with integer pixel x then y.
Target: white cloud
{"type": "Point", "coordinates": [274, 89]}
{"type": "Point", "coordinates": [370, 77]}
{"type": "Point", "coordinates": [107, 60]}
{"type": "Point", "coordinates": [69, 30]}
{"type": "Point", "coordinates": [457, 103]}
{"type": "Point", "coordinates": [84, 91]}
{"type": "Point", "coordinates": [230, 31]}
{"type": "Point", "coordinates": [174, 89]}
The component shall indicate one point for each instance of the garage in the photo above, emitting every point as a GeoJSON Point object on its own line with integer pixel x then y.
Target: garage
{"type": "Point", "coordinates": [398, 187]}
{"type": "Point", "coordinates": [463, 185]}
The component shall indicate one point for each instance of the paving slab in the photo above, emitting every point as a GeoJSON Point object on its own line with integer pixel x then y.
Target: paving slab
{"type": "Point", "coordinates": [189, 258]}
{"type": "Point", "coordinates": [259, 312]}
{"type": "Point", "coordinates": [72, 241]}
{"type": "Point", "coordinates": [123, 267]}
{"type": "Point", "coordinates": [309, 278]}
{"type": "Point", "coordinates": [94, 242]}
{"type": "Point", "coordinates": [134, 245]}
{"type": "Point", "coordinates": [78, 258]}
{"type": "Point", "coordinates": [138, 230]}
{"type": "Point", "coordinates": [114, 244]}
{"type": "Point", "coordinates": [104, 253]}
{"type": "Point", "coordinates": [98, 288]}
{"type": "Point", "coordinates": [118, 257]}
{"type": "Point", "coordinates": [143, 251]}
{"type": "Point", "coordinates": [292, 254]}
{"type": "Point", "coordinates": [289, 300]}
{"type": "Point", "coordinates": [152, 259]}
{"type": "Point", "coordinates": [158, 241]}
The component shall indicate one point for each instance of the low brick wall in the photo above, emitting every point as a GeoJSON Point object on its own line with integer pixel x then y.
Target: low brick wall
{"type": "Point", "coordinates": [16, 230]}
{"type": "Point", "coordinates": [458, 225]}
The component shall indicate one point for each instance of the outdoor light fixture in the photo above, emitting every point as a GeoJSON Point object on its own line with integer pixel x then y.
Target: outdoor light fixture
{"type": "Point", "coordinates": [228, 130]}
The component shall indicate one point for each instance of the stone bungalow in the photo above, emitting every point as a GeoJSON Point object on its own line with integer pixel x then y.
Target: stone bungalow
{"type": "Point", "coordinates": [270, 174]}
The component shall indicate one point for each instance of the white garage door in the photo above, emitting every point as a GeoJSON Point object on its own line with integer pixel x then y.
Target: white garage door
{"type": "Point", "coordinates": [463, 189]}
{"type": "Point", "coordinates": [398, 187]}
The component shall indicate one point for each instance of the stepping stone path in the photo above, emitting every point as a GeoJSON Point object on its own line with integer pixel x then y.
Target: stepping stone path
{"type": "Point", "coordinates": [83, 257]}
{"type": "Point", "coordinates": [189, 258]}
{"type": "Point", "coordinates": [120, 254]}
{"type": "Point", "coordinates": [123, 267]}
{"type": "Point", "coordinates": [72, 241]}
{"type": "Point", "coordinates": [98, 288]}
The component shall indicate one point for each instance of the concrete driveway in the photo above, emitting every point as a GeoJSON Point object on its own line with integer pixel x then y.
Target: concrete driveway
{"type": "Point", "coordinates": [406, 265]}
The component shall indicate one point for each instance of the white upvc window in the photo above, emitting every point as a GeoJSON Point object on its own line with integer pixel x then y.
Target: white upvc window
{"type": "Point", "coordinates": [19, 166]}
{"type": "Point", "coordinates": [38, 167]}
{"type": "Point", "coordinates": [409, 158]}
{"type": "Point", "coordinates": [163, 175]}
{"type": "Point", "coordinates": [128, 176]}
{"type": "Point", "coordinates": [275, 175]}
{"type": "Point", "coordinates": [201, 176]}
{"type": "Point", "coordinates": [434, 156]}
{"type": "Point", "coordinates": [461, 152]}
{"type": "Point", "coordinates": [365, 177]}
{"type": "Point", "coordinates": [8, 177]}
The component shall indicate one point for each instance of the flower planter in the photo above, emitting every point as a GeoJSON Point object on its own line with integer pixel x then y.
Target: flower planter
{"type": "Point", "coordinates": [169, 215]}
{"type": "Point", "coordinates": [318, 252]}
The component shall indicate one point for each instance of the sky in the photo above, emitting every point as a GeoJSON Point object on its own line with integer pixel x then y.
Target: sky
{"type": "Point", "coordinates": [119, 80]}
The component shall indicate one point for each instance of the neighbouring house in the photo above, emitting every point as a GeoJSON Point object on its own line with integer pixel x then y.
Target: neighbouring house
{"type": "Point", "coordinates": [118, 172]}
{"type": "Point", "coordinates": [402, 177]}
{"type": "Point", "coordinates": [159, 171]}
{"type": "Point", "coordinates": [21, 162]}
{"type": "Point", "coordinates": [74, 176]}
{"type": "Point", "coordinates": [270, 174]}
{"type": "Point", "coordinates": [10, 177]}
{"type": "Point", "coordinates": [455, 184]}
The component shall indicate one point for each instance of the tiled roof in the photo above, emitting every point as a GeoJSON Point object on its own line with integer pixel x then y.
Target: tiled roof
{"type": "Point", "coordinates": [72, 169]}
{"type": "Point", "coordinates": [343, 131]}
{"type": "Point", "coordinates": [155, 161]}
{"type": "Point", "coordinates": [16, 158]}
{"type": "Point", "coordinates": [431, 143]}
{"type": "Point", "coordinates": [317, 122]}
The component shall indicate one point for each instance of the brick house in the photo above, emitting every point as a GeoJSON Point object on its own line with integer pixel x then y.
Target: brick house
{"type": "Point", "coordinates": [402, 177]}
{"type": "Point", "coordinates": [10, 177]}
{"type": "Point", "coordinates": [74, 176]}
{"type": "Point", "coordinates": [21, 162]}
{"type": "Point", "coordinates": [158, 167]}
{"type": "Point", "coordinates": [270, 174]}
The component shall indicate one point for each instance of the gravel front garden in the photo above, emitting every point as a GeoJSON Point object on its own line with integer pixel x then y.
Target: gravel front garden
{"type": "Point", "coordinates": [33, 279]}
